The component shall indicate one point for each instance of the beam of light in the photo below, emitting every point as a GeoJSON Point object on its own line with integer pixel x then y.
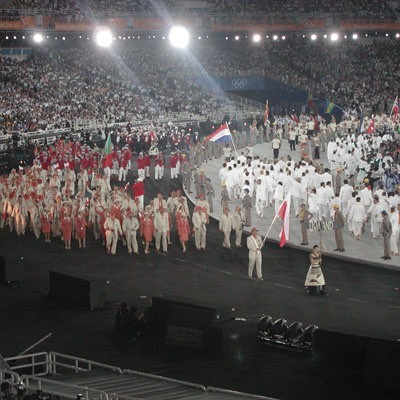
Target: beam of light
{"type": "Point", "coordinates": [103, 37]}
{"type": "Point", "coordinates": [179, 37]}
{"type": "Point", "coordinates": [38, 37]}
{"type": "Point", "coordinates": [314, 37]}
{"type": "Point", "coordinates": [256, 37]}
{"type": "Point", "coordinates": [355, 36]}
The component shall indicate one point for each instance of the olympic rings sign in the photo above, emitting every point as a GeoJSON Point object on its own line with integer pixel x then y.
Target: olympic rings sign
{"type": "Point", "coordinates": [239, 83]}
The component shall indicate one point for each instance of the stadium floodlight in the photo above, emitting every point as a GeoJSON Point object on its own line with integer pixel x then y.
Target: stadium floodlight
{"type": "Point", "coordinates": [179, 37]}
{"type": "Point", "coordinates": [334, 37]}
{"type": "Point", "coordinates": [314, 37]}
{"type": "Point", "coordinates": [103, 37]}
{"type": "Point", "coordinates": [38, 37]}
{"type": "Point", "coordinates": [355, 36]}
{"type": "Point", "coordinates": [256, 37]}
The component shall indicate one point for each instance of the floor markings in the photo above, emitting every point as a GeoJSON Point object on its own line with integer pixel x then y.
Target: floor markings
{"type": "Point", "coordinates": [225, 272]}
{"type": "Point", "coordinates": [356, 300]}
{"type": "Point", "coordinates": [397, 307]}
{"type": "Point", "coordinates": [278, 284]}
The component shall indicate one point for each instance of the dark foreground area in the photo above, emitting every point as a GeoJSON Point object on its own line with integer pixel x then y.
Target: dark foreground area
{"type": "Point", "coordinates": [360, 301]}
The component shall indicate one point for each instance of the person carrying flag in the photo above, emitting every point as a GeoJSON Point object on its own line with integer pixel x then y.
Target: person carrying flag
{"type": "Point", "coordinates": [255, 244]}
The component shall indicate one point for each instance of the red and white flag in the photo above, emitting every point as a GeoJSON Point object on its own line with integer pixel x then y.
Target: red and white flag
{"type": "Point", "coordinates": [371, 126]}
{"type": "Point", "coordinates": [395, 109]}
{"type": "Point", "coordinates": [284, 214]}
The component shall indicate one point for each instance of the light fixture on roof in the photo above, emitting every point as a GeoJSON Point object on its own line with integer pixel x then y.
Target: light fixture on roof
{"type": "Point", "coordinates": [334, 37]}
{"type": "Point", "coordinates": [256, 37]}
{"type": "Point", "coordinates": [355, 36]}
{"type": "Point", "coordinates": [103, 37]}
{"type": "Point", "coordinates": [38, 37]}
{"type": "Point", "coordinates": [179, 37]}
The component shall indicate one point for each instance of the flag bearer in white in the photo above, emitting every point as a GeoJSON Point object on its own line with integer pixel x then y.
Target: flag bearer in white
{"type": "Point", "coordinates": [254, 244]}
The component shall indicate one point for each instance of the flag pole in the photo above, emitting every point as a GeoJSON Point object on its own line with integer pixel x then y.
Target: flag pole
{"type": "Point", "coordinates": [234, 147]}
{"type": "Point", "coordinates": [269, 230]}
{"type": "Point", "coordinates": [391, 112]}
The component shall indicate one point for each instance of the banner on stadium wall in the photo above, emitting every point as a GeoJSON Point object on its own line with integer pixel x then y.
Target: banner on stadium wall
{"type": "Point", "coordinates": [238, 83]}
{"type": "Point", "coordinates": [113, 23]}
{"type": "Point", "coordinates": [21, 23]}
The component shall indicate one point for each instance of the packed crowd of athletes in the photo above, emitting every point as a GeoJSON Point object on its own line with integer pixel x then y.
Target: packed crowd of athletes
{"type": "Point", "coordinates": [361, 180]}
{"type": "Point", "coordinates": [72, 188]}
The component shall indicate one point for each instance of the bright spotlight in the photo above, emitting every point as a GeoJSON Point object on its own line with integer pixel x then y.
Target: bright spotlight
{"type": "Point", "coordinates": [355, 36]}
{"type": "Point", "coordinates": [38, 38]}
{"type": "Point", "coordinates": [314, 37]}
{"type": "Point", "coordinates": [397, 35]}
{"type": "Point", "coordinates": [179, 37]}
{"type": "Point", "coordinates": [237, 37]}
{"type": "Point", "coordinates": [256, 37]}
{"type": "Point", "coordinates": [103, 37]}
{"type": "Point", "coordinates": [275, 37]}
{"type": "Point", "coordinates": [283, 37]}
{"type": "Point", "coordinates": [334, 37]}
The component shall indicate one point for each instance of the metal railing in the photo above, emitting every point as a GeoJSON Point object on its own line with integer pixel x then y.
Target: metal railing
{"type": "Point", "coordinates": [37, 363]}
{"type": "Point", "coordinates": [9, 376]}
{"type": "Point", "coordinates": [76, 364]}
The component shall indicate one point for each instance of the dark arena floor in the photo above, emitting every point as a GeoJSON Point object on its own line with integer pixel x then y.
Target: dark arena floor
{"type": "Point", "coordinates": [360, 301]}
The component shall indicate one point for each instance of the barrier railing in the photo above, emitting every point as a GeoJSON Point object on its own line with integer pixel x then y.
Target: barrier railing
{"type": "Point", "coordinates": [76, 364]}
{"type": "Point", "coordinates": [37, 363]}
{"type": "Point", "coordinates": [9, 376]}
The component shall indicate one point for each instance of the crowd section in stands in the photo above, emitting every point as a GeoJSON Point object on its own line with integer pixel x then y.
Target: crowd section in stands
{"type": "Point", "coordinates": [55, 87]}
{"type": "Point", "coordinates": [347, 73]}
{"type": "Point", "coordinates": [375, 9]}
{"type": "Point", "coordinates": [150, 80]}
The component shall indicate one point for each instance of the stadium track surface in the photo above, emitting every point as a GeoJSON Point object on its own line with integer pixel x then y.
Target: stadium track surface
{"type": "Point", "coordinates": [362, 301]}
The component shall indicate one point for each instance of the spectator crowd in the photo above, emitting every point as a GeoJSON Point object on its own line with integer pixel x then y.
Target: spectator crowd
{"type": "Point", "coordinates": [53, 88]}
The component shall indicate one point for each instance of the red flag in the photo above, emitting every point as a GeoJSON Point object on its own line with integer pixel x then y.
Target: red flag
{"type": "Point", "coordinates": [295, 118]}
{"type": "Point", "coordinates": [266, 113]}
{"type": "Point", "coordinates": [371, 127]}
{"type": "Point", "coordinates": [284, 214]}
{"type": "Point", "coordinates": [395, 109]}
{"type": "Point", "coordinates": [152, 135]}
